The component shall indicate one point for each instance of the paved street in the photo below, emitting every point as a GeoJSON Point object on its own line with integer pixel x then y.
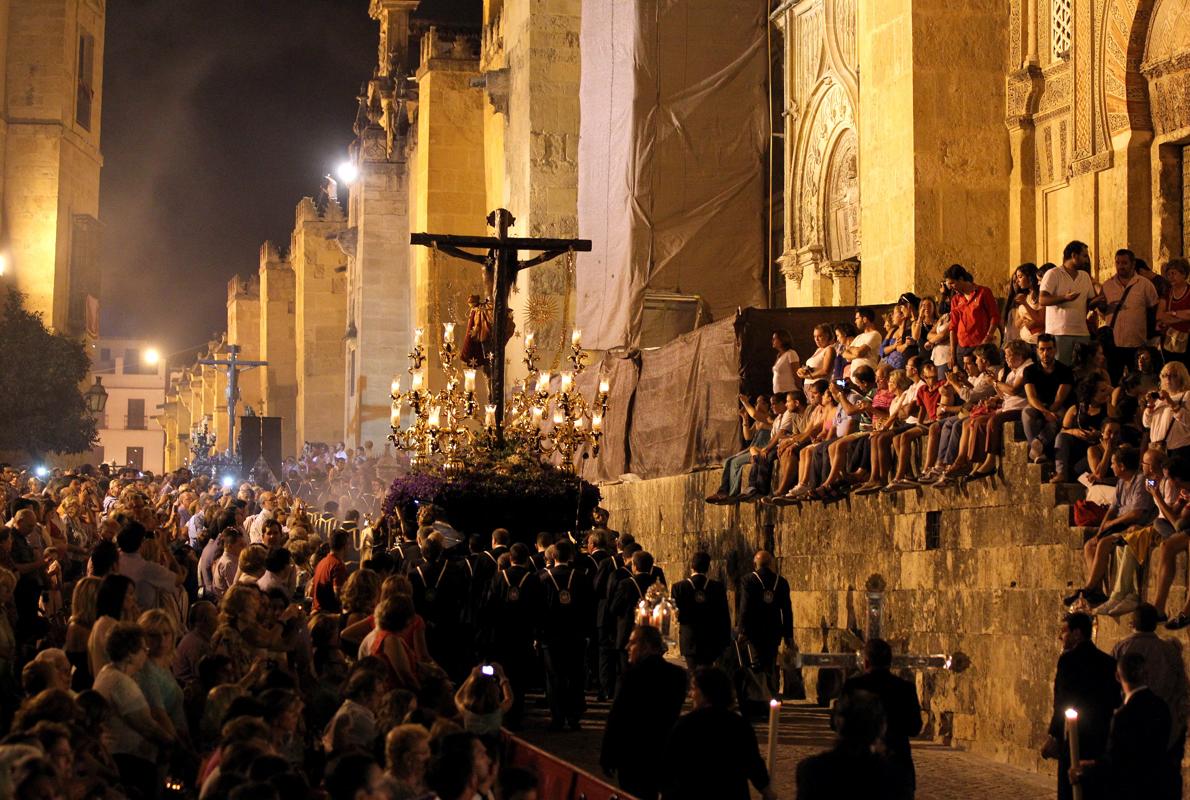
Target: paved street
{"type": "Point", "coordinates": [942, 773]}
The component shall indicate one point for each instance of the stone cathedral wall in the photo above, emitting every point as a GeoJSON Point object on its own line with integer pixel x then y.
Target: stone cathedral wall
{"type": "Point", "coordinates": [978, 570]}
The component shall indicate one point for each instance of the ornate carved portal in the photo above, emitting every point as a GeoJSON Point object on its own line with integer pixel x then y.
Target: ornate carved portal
{"type": "Point", "coordinates": [822, 234]}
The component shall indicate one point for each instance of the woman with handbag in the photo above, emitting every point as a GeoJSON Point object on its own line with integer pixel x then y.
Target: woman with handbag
{"type": "Point", "coordinates": [1173, 312]}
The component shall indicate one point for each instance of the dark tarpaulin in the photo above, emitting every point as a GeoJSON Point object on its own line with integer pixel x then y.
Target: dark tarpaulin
{"type": "Point", "coordinates": [620, 371]}
{"type": "Point", "coordinates": [684, 413]}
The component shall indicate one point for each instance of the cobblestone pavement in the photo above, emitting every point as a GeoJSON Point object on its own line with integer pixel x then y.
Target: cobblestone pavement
{"type": "Point", "coordinates": [942, 773]}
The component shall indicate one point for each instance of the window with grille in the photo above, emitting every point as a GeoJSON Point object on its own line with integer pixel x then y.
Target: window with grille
{"type": "Point", "coordinates": [1061, 25]}
{"type": "Point", "coordinates": [86, 80]}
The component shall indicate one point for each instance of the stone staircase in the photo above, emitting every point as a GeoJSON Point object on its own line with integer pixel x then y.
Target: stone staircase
{"type": "Point", "coordinates": [978, 568]}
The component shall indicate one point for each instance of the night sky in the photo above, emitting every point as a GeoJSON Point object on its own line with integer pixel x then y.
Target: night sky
{"type": "Point", "coordinates": [219, 115]}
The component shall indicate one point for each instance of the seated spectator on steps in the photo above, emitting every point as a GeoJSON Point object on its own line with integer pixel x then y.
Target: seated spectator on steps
{"type": "Point", "coordinates": [1081, 428]}
{"type": "Point", "coordinates": [789, 449]}
{"type": "Point", "coordinates": [1132, 506]}
{"type": "Point", "coordinates": [788, 427]}
{"type": "Point", "coordinates": [755, 421]}
{"type": "Point", "coordinates": [1048, 384]}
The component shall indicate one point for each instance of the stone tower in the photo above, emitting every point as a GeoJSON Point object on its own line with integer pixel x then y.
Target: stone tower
{"type": "Point", "coordinates": [51, 79]}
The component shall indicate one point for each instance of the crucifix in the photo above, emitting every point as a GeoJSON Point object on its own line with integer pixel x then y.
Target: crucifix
{"type": "Point", "coordinates": [234, 364]}
{"type": "Point", "coordinates": [874, 629]}
{"type": "Point", "coordinates": [501, 266]}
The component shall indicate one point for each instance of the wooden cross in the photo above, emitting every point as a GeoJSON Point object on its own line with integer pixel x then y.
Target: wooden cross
{"type": "Point", "coordinates": [234, 364]}
{"type": "Point", "coordinates": [502, 267]}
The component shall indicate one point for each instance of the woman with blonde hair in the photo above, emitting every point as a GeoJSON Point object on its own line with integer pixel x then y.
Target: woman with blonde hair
{"type": "Point", "coordinates": [406, 755]}
{"type": "Point", "coordinates": [155, 678]}
{"type": "Point", "coordinates": [1164, 416]}
{"type": "Point", "coordinates": [78, 630]}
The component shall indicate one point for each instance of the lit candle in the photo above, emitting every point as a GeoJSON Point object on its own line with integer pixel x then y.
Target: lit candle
{"type": "Point", "coordinates": [604, 386]}
{"type": "Point", "coordinates": [418, 379]}
{"type": "Point", "coordinates": [528, 340]}
{"type": "Point", "coordinates": [1072, 737]}
{"type": "Point", "coordinates": [576, 338]}
{"type": "Point", "coordinates": [448, 332]}
{"type": "Point", "coordinates": [578, 423]}
{"type": "Point", "coordinates": [489, 416]}
{"type": "Point", "coordinates": [774, 717]}
{"type": "Point", "coordinates": [537, 412]}
{"type": "Point", "coordinates": [557, 417]}
{"type": "Point", "coordinates": [396, 387]}
{"type": "Point", "coordinates": [567, 382]}
{"type": "Point", "coordinates": [597, 422]}
{"type": "Point", "coordinates": [394, 420]}
{"type": "Point", "coordinates": [469, 380]}
{"type": "Point", "coordinates": [435, 417]}
{"type": "Point", "coordinates": [543, 382]}
{"type": "Point", "coordinates": [418, 336]}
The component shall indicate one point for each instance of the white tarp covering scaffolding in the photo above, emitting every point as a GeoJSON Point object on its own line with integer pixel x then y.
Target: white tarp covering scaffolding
{"type": "Point", "coordinates": [671, 158]}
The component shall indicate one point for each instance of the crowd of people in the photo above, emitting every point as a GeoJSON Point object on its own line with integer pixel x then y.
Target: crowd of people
{"type": "Point", "coordinates": [1095, 373]}
{"type": "Point", "coordinates": [170, 636]}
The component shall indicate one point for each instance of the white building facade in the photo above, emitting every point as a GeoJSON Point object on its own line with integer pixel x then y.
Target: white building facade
{"type": "Point", "coordinates": [129, 433]}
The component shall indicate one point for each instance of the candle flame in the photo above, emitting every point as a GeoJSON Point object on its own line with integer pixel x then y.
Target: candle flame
{"type": "Point", "coordinates": [1071, 714]}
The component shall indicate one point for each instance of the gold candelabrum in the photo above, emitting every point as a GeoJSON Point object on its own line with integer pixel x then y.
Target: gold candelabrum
{"type": "Point", "coordinates": [443, 421]}
{"type": "Point", "coordinates": [577, 425]}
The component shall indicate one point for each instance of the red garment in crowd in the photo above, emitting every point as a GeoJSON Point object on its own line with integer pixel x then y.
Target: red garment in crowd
{"type": "Point", "coordinates": [329, 575]}
{"type": "Point", "coordinates": [973, 316]}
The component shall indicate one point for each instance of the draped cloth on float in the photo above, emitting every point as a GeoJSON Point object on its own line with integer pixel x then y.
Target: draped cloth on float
{"type": "Point", "coordinates": [671, 159]}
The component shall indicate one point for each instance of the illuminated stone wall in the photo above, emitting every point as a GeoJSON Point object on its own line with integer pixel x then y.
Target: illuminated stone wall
{"type": "Point", "coordinates": [49, 154]}
{"type": "Point", "coordinates": [278, 344]}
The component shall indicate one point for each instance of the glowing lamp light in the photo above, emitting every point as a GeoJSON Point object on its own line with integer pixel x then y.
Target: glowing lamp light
{"type": "Point", "coordinates": [558, 418]}
{"type": "Point", "coordinates": [448, 332]}
{"type": "Point", "coordinates": [419, 379]}
{"type": "Point", "coordinates": [3, 265]}
{"type": "Point", "coordinates": [567, 382]}
{"type": "Point", "coordinates": [469, 380]}
{"type": "Point", "coordinates": [543, 382]}
{"type": "Point", "coordinates": [435, 419]}
{"type": "Point", "coordinates": [395, 389]}
{"type": "Point", "coordinates": [576, 337]}
{"type": "Point", "coordinates": [228, 481]}
{"type": "Point", "coordinates": [597, 422]}
{"type": "Point", "coordinates": [41, 472]}
{"type": "Point", "coordinates": [394, 418]}
{"type": "Point", "coordinates": [489, 416]}
{"type": "Point", "coordinates": [1071, 714]}
{"type": "Point", "coordinates": [529, 339]}
{"type": "Point", "coordinates": [418, 337]}
{"type": "Point", "coordinates": [348, 172]}
{"type": "Point", "coordinates": [152, 356]}
{"type": "Point", "coordinates": [604, 386]}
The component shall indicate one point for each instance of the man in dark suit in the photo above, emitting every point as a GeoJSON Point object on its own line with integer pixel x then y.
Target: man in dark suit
{"type": "Point", "coordinates": [646, 707]}
{"type": "Point", "coordinates": [713, 734]}
{"type": "Point", "coordinates": [766, 615]}
{"type": "Point", "coordinates": [565, 624]}
{"type": "Point", "coordinates": [851, 769]}
{"type": "Point", "coordinates": [440, 590]}
{"type": "Point", "coordinates": [611, 572]}
{"type": "Point", "coordinates": [704, 620]}
{"type": "Point", "coordinates": [902, 711]}
{"type": "Point", "coordinates": [1133, 764]}
{"type": "Point", "coordinates": [512, 615]}
{"type": "Point", "coordinates": [1085, 681]}
{"type": "Point", "coordinates": [628, 595]}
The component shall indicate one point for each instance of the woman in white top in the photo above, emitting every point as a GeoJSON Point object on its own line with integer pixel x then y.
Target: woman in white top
{"type": "Point", "coordinates": [820, 365]}
{"type": "Point", "coordinates": [115, 603]}
{"type": "Point", "coordinates": [865, 347]}
{"type": "Point", "coordinates": [784, 368]}
{"type": "Point", "coordinates": [886, 429]}
{"type": "Point", "coordinates": [932, 332]}
{"type": "Point", "coordinates": [1165, 411]}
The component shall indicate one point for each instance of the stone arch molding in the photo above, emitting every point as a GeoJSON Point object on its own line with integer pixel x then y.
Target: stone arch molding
{"type": "Point", "coordinates": [827, 144]}
{"type": "Point", "coordinates": [1166, 66]}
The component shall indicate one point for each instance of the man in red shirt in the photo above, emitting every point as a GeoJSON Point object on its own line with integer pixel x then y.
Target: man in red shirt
{"type": "Point", "coordinates": [974, 315]}
{"type": "Point", "coordinates": [329, 577]}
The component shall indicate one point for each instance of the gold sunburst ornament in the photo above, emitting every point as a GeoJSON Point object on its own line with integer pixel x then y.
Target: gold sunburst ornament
{"type": "Point", "coordinates": [540, 311]}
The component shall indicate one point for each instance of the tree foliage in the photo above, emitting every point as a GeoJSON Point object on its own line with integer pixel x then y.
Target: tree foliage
{"type": "Point", "coordinates": [42, 409]}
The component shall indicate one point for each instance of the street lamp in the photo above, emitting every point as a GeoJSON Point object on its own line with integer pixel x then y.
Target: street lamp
{"type": "Point", "coordinates": [348, 172]}
{"type": "Point", "coordinates": [96, 397]}
{"type": "Point", "coordinates": [151, 356]}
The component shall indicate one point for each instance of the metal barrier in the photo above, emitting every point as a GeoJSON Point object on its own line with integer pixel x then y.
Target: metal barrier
{"type": "Point", "coordinates": [557, 779]}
